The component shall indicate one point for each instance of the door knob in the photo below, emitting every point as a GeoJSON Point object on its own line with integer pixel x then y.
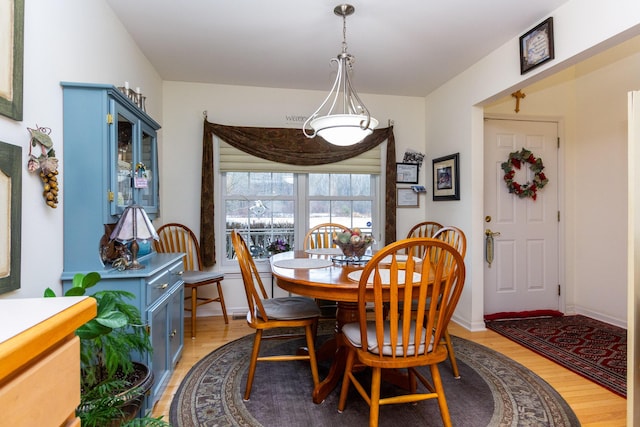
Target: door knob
{"type": "Point", "coordinates": [488, 233]}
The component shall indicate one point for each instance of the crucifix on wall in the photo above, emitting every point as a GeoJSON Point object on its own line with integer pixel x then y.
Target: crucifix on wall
{"type": "Point", "coordinates": [518, 95]}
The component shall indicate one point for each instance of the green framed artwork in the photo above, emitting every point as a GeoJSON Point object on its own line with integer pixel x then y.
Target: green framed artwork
{"type": "Point", "coordinates": [11, 53]}
{"type": "Point", "coordinates": [10, 216]}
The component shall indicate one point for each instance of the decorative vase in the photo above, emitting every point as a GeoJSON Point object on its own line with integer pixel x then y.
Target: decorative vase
{"type": "Point", "coordinates": [353, 251]}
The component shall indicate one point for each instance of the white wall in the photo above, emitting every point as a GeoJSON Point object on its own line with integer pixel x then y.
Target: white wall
{"type": "Point", "coordinates": [601, 139]}
{"type": "Point", "coordinates": [65, 40]}
{"type": "Point", "coordinates": [454, 117]}
{"type": "Point", "coordinates": [181, 150]}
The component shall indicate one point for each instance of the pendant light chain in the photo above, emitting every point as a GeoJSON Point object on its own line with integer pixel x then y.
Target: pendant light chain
{"type": "Point", "coordinates": [344, 34]}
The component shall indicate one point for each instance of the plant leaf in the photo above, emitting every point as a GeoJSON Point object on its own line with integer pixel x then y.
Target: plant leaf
{"type": "Point", "coordinates": [112, 319]}
{"type": "Point", "coordinates": [90, 279]}
{"type": "Point", "coordinates": [74, 292]}
{"type": "Point", "coordinates": [91, 330]}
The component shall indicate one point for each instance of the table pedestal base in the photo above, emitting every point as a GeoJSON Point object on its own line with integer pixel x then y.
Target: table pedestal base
{"type": "Point", "coordinates": [347, 312]}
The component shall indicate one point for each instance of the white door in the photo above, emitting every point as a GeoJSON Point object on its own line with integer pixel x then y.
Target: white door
{"type": "Point", "coordinates": [524, 272]}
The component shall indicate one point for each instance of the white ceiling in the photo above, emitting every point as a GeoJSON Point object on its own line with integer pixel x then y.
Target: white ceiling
{"type": "Point", "coordinates": [403, 47]}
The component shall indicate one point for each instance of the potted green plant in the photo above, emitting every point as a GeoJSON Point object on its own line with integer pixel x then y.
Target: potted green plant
{"type": "Point", "coordinates": [113, 385]}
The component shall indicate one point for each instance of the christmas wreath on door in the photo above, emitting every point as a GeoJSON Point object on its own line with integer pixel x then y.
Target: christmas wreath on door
{"type": "Point", "coordinates": [515, 161]}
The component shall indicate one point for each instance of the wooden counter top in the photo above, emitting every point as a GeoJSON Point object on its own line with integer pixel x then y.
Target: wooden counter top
{"type": "Point", "coordinates": [30, 326]}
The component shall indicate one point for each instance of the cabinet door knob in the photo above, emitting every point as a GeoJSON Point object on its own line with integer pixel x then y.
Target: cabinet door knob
{"type": "Point", "coordinates": [179, 273]}
{"type": "Point", "coordinates": [173, 333]}
{"type": "Point", "coordinates": [163, 286]}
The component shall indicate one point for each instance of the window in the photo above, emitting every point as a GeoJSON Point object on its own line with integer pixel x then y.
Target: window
{"type": "Point", "coordinates": [266, 206]}
{"type": "Point", "coordinates": [344, 199]}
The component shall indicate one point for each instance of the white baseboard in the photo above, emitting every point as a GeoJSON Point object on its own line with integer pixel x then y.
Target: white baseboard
{"type": "Point", "coordinates": [619, 322]}
{"type": "Point", "coordinates": [471, 326]}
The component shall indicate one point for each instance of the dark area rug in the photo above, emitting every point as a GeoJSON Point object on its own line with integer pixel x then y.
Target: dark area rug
{"type": "Point", "coordinates": [588, 347]}
{"type": "Point", "coordinates": [493, 391]}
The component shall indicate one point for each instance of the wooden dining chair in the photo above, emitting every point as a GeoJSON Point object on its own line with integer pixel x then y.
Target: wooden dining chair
{"type": "Point", "coordinates": [456, 238]}
{"type": "Point", "coordinates": [423, 229]}
{"type": "Point", "coordinates": [270, 313]}
{"type": "Point", "coordinates": [399, 340]}
{"type": "Point", "coordinates": [453, 236]}
{"type": "Point", "coordinates": [179, 238]}
{"type": "Point", "coordinates": [322, 235]}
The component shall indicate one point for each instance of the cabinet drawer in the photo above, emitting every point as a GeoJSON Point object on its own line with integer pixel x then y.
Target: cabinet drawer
{"type": "Point", "coordinates": [177, 268]}
{"type": "Point", "coordinates": [159, 284]}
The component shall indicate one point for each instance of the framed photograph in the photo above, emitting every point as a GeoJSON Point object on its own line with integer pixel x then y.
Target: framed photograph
{"type": "Point", "coordinates": [536, 46]}
{"type": "Point", "coordinates": [407, 173]}
{"type": "Point", "coordinates": [446, 178]}
{"type": "Point", "coordinates": [11, 56]}
{"type": "Point", "coordinates": [10, 216]}
{"type": "Point", "coordinates": [407, 198]}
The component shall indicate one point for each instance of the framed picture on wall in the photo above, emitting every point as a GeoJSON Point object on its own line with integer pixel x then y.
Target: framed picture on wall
{"type": "Point", "coordinates": [536, 46]}
{"type": "Point", "coordinates": [10, 216]}
{"type": "Point", "coordinates": [407, 173]}
{"type": "Point", "coordinates": [446, 178]}
{"type": "Point", "coordinates": [11, 56]}
{"type": "Point", "coordinates": [407, 198]}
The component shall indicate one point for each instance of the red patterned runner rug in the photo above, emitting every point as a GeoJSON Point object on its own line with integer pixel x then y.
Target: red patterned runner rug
{"type": "Point", "coordinates": [588, 347]}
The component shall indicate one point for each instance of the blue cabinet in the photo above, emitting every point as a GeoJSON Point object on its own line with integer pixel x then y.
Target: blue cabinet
{"type": "Point", "coordinates": [159, 295]}
{"type": "Point", "coordinates": [110, 161]}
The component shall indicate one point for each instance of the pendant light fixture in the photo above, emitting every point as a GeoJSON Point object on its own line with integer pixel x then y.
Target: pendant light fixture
{"type": "Point", "coordinates": [351, 122]}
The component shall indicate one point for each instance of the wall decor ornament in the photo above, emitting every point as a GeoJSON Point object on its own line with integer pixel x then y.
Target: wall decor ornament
{"type": "Point", "coordinates": [515, 161]}
{"type": "Point", "coordinates": [45, 162]}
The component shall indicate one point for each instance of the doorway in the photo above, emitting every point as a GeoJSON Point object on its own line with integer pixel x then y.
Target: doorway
{"type": "Point", "coordinates": [521, 268]}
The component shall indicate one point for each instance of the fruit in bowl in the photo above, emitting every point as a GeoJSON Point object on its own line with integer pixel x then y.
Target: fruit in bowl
{"type": "Point", "coordinates": [353, 244]}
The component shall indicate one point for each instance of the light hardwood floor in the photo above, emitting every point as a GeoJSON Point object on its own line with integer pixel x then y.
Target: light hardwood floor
{"type": "Point", "coordinates": [593, 405]}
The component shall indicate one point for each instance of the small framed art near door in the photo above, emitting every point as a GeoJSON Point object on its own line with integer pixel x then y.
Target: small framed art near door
{"type": "Point", "coordinates": [446, 178]}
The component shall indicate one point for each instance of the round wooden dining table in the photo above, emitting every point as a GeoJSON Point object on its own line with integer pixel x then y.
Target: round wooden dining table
{"type": "Point", "coordinates": [325, 276]}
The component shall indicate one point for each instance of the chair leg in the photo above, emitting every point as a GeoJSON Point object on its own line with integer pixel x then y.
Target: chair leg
{"type": "Point", "coordinates": [224, 307]}
{"type": "Point", "coordinates": [315, 331]}
{"type": "Point", "coordinates": [442, 401]}
{"type": "Point", "coordinates": [452, 355]}
{"type": "Point", "coordinates": [346, 380]}
{"type": "Point", "coordinates": [194, 307]}
{"type": "Point", "coordinates": [252, 363]}
{"type": "Point", "coordinates": [309, 331]}
{"type": "Point", "coordinates": [374, 410]}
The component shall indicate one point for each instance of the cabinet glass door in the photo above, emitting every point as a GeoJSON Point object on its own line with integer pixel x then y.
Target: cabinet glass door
{"type": "Point", "coordinates": [134, 154]}
{"type": "Point", "coordinates": [146, 174]}
{"type": "Point", "coordinates": [125, 132]}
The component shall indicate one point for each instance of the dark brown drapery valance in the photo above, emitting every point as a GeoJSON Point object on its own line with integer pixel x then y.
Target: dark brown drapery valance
{"type": "Point", "coordinates": [286, 145]}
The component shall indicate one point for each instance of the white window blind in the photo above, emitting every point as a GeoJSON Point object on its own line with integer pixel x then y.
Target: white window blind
{"type": "Point", "coordinates": [232, 159]}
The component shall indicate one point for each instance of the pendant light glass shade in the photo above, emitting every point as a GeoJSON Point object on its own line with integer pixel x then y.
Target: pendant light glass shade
{"type": "Point", "coordinates": [351, 122]}
{"type": "Point", "coordinates": [343, 129]}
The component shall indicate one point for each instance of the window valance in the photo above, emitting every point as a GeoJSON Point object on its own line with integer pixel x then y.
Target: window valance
{"type": "Point", "coordinates": [285, 145]}
{"type": "Point", "coordinates": [230, 159]}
